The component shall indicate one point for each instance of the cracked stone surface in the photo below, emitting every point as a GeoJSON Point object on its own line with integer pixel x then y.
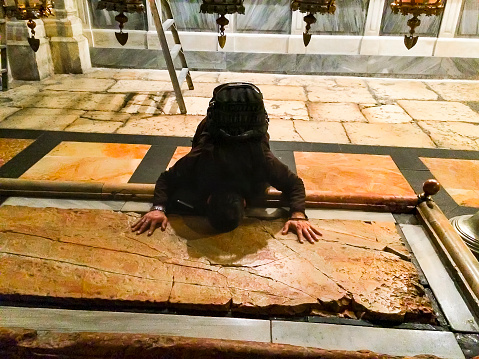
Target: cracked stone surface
{"type": "Point", "coordinates": [358, 269]}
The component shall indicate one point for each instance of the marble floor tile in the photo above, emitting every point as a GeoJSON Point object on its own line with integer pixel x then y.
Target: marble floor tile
{"type": "Point", "coordinates": [77, 83]}
{"type": "Point", "coordinates": [194, 106]}
{"type": "Point", "coordinates": [286, 110]}
{"type": "Point", "coordinates": [202, 76]}
{"type": "Point", "coordinates": [385, 341]}
{"type": "Point", "coordinates": [322, 213]}
{"type": "Point", "coordinates": [385, 114]}
{"type": "Point", "coordinates": [88, 161]}
{"type": "Point", "coordinates": [63, 203]}
{"type": "Point", "coordinates": [283, 93]}
{"type": "Point", "coordinates": [10, 147]}
{"type": "Point", "coordinates": [180, 152]}
{"type": "Point", "coordinates": [322, 132]}
{"type": "Point", "coordinates": [166, 125]}
{"type": "Point", "coordinates": [439, 111]}
{"type": "Point", "coordinates": [106, 116]}
{"type": "Point", "coordinates": [384, 134]}
{"type": "Point", "coordinates": [55, 99]}
{"type": "Point", "coordinates": [351, 174]}
{"type": "Point", "coordinates": [133, 74]}
{"type": "Point", "coordinates": [255, 78]}
{"type": "Point", "coordinates": [454, 135]}
{"type": "Point", "coordinates": [92, 126]}
{"type": "Point", "coordinates": [202, 89]}
{"type": "Point", "coordinates": [390, 90]}
{"type": "Point", "coordinates": [15, 95]}
{"type": "Point", "coordinates": [302, 80]}
{"type": "Point", "coordinates": [123, 86]}
{"type": "Point", "coordinates": [353, 90]}
{"type": "Point", "coordinates": [97, 149]}
{"type": "Point", "coordinates": [335, 112]}
{"type": "Point", "coordinates": [456, 90]}
{"type": "Point", "coordinates": [458, 177]}
{"type": "Point", "coordinates": [102, 102]}
{"type": "Point", "coordinates": [101, 73]}
{"type": "Point", "coordinates": [7, 111]}
{"type": "Point", "coordinates": [283, 130]}
{"type": "Point", "coordinates": [41, 119]}
{"type": "Point", "coordinates": [139, 207]}
{"type": "Point", "coordinates": [84, 169]}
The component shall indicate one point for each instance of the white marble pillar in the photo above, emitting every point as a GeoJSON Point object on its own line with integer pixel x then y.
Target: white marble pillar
{"type": "Point", "coordinates": [24, 63]}
{"type": "Point", "coordinates": [69, 47]}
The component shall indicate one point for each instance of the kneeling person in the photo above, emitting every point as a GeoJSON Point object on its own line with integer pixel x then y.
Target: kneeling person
{"type": "Point", "coordinates": [229, 165]}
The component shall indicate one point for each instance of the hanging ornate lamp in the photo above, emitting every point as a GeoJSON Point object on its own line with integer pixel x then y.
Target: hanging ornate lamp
{"type": "Point", "coordinates": [311, 7]}
{"type": "Point", "coordinates": [28, 10]}
{"type": "Point", "coordinates": [222, 7]}
{"type": "Point", "coordinates": [121, 6]}
{"type": "Point", "coordinates": [416, 8]}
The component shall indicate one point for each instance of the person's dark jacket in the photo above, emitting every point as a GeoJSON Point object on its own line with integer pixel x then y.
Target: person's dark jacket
{"type": "Point", "coordinates": [247, 167]}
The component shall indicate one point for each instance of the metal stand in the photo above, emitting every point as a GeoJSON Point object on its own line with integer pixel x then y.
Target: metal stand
{"type": "Point", "coordinates": [170, 55]}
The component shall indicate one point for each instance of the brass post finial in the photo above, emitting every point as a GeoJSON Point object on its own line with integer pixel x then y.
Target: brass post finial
{"type": "Point", "coordinates": [430, 188]}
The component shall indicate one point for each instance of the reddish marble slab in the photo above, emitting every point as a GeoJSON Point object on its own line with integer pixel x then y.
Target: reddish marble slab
{"type": "Point", "coordinates": [10, 147]}
{"type": "Point", "coordinates": [89, 162]}
{"type": "Point", "coordinates": [180, 152]}
{"type": "Point", "coordinates": [357, 270]}
{"type": "Point", "coordinates": [460, 178]}
{"type": "Point", "coordinates": [353, 177]}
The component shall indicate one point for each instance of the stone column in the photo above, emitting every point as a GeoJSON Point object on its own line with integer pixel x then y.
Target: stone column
{"type": "Point", "coordinates": [24, 63]}
{"type": "Point", "coordinates": [69, 47]}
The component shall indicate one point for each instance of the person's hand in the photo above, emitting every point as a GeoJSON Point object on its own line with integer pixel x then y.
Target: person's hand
{"type": "Point", "coordinates": [150, 221]}
{"type": "Point", "coordinates": [302, 228]}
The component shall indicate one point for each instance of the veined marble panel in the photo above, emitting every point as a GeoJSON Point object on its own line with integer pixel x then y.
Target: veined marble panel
{"type": "Point", "coordinates": [468, 23]}
{"type": "Point", "coordinates": [10, 147]}
{"type": "Point", "coordinates": [349, 18]}
{"type": "Point", "coordinates": [89, 162]}
{"type": "Point", "coordinates": [103, 19]}
{"type": "Point", "coordinates": [458, 177]}
{"type": "Point", "coordinates": [351, 174]}
{"type": "Point", "coordinates": [188, 17]}
{"type": "Point", "coordinates": [270, 16]}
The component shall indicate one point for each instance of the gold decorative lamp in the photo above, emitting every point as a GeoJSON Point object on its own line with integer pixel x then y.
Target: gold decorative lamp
{"type": "Point", "coordinates": [28, 10]}
{"type": "Point", "coordinates": [416, 8]}
{"type": "Point", "coordinates": [312, 7]}
{"type": "Point", "coordinates": [121, 6]}
{"type": "Point", "coordinates": [222, 7]}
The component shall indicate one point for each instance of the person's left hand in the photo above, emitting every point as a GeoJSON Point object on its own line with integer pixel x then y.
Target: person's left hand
{"type": "Point", "coordinates": [303, 229]}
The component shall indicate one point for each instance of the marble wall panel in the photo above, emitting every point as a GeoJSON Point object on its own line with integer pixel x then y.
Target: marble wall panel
{"type": "Point", "coordinates": [10, 147]}
{"type": "Point", "coordinates": [103, 19]}
{"type": "Point", "coordinates": [458, 177]}
{"type": "Point", "coordinates": [265, 16]}
{"type": "Point", "coordinates": [396, 24]}
{"type": "Point", "coordinates": [188, 17]}
{"type": "Point", "coordinates": [351, 174]}
{"type": "Point", "coordinates": [348, 19]}
{"type": "Point", "coordinates": [89, 162]}
{"type": "Point", "coordinates": [468, 24]}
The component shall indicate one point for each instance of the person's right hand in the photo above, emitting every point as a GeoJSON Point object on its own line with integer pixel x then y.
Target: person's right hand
{"type": "Point", "coordinates": [150, 221]}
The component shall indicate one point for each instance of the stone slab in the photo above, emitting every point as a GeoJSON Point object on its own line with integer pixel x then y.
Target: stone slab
{"type": "Point", "coordinates": [454, 135]}
{"type": "Point", "coordinates": [304, 80]}
{"type": "Point", "coordinates": [194, 106]}
{"type": "Point", "coordinates": [41, 119]}
{"type": "Point", "coordinates": [286, 110]}
{"type": "Point", "coordinates": [106, 116]}
{"type": "Point", "coordinates": [385, 114]}
{"type": "Point", "coordinates": [321, 132]}
{"type": "Point", "coordinates": [63, 203]}
{"type": "Point", "coordinates": [439, 111]}
{"type": "Point", "coordinates": [10, 147]}
{"type": "Point", "coordinates": [380, 340]}
{"type": "Point", "coordinates": [256, 78]}
{"type": "Point", "coordinates": [254, 269]}
{"type": "Point", "coordinates": [354, 90]}
{"type": "Point", "coordinates": [391, 90]}
{"type": "Point", "coordinates": [283, 93]}
{"type": "Point", "coordinates": [381, 134]}
{"type": "Point", "coordinates": [7, 111]}
{"type": "Point", "coordinates": [167, 125]}
{"type": "Point", "coordinates": [91, 126]}
{"type": "Point", "coordinates": [283, 130]}
{"type": "Point", "coordinates": [458, 177]}
{"type": "Point", "coordinates": [78, 83]}
{"type": "Point", "coordinates": [124, 86]}
{"type": "Point", "coordinates": [456, 90]}
{"type": "Point", "coordinates": [335, 112]}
